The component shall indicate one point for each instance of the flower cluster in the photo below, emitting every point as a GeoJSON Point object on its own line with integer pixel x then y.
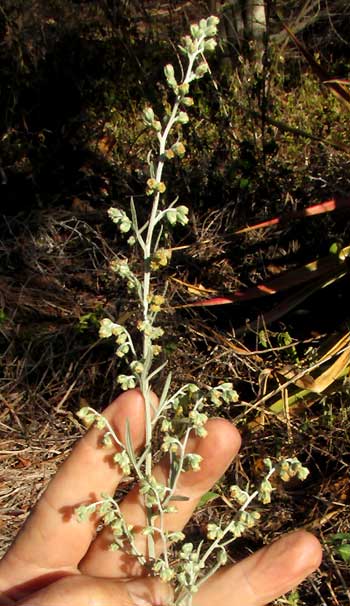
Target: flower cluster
{"type": "Point", "coordinates": [236, 528]}
{"type": "Point", "coordinates": [198, 420]}
{"type": "Point", "coordinates": [192, 462]}
{"type": "Point", "coordinates": [126, 382]}
{"type": "Point", "coordinates": [123, 339]}
{"type": "Point", "coordinates": [153, 491]}
{"type": "Point", "coordinates": [239, 495]}
{"type": "Point", "coordinates": [120, 218]}
{"type": "Point", "coordinates": [122, 459]}
{"type": "Point", "coordinates": [177, 215]}
{"type": "Point", "coordinates": [287, 469]}
{"type": "Point", "coordinates": [153, 332]}
{"type": "Point", "coordinates": [189, 567]}
{"type": "Point", "coordinates": [160, 258]}
{"type": "Point", "coordinates": [223, 393]}
{"type": "Point", "coordinates": [155, 186]}
{"type": "Point", "coordinates": [122, 269]}
{"type": "Point", "coordinates": [290, 468]}
{"type": "Point", "coordinates": [151, 120]}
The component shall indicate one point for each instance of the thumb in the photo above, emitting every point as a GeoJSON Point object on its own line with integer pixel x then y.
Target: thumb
{"type": "Point", "coordinates": [90, 591]}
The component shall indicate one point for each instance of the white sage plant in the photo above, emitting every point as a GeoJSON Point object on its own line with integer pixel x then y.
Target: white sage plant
{"type": "Point", "coordinates": [183, 412]}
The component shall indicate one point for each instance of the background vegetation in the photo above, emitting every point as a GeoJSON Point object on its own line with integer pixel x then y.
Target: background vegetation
{"type": "Point", "coordinates": [268, 139]}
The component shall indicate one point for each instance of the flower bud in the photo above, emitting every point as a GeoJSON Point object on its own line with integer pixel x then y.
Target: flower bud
{"type": "Point", "coordinates": [189, 44]}
{"type": "Point", "coordinates": [183, 118]}
{"type": "Point", "coordinates": [211, 30]}
{"type": "Point", "coordinates": [170, 77]}
{"type": "Point", "coordinates": [171, 216]}
{"type": "Point", "coordinates": [239, 495]}
{"type": "Point", "coordinates": [170, 444]}
{"type": "Point", "coordinates": [160, 258]}
{"type": "Point", "coordinates": [115, 214]}
{"type": "Point", "coordinates": [183, 88]}
{"type": "Point", "coordinates": [121, 268]}
{"type": "Point", "coordinates": [156, 350]}
{"type": "Point", "coordinates": [302, 474]}
{"type": "Point", "coordinates": [148, 115]}
{"type": "Point", "coordinates": [122, 459]}
{"type": "Point", "coordinates": [126, 382]}
{"type": "Point", "coordinates": [87, 416]}
{"type": "Point", "coordinates": [109, 328]}
{"type": "Point", "coordinates": [187, 101]}
{"type": "Point", "coordinates": [195, 31]}
{"type": "Point", "coordinates": [175, 536]}
{"type": "Point", "coordinates": [192, 462]}
{"type": "Point", "coordinates": [156, 302]}
{"type": "Point", "coordinates": [201, 70]}
{"type": "Point", "coordinates": [210, 45]}
{"type": "Point", "coordinates": [179, 149]}
{"type": "Point", "coordinates": [221, 557]}
{"type": "Point", "coordinates": [169, 71]}
{"type": "Point", "coordinates": [125, 225]}
{"type": "Point", "coordinates": [214, 532]}
{"type": "Point", "coordinates": [213, 20]}
{"type": "Point", "coordinates": [151, 186]}
{"type": "Point", "coordinates": [136, 367]}
{"type": "Point", "coordinates": [182, 212]}
{"type": "Point", "coordinates": [157, 126]}
{"type": "Point", "coordinates": [166, 575]}
{"type": "Point", "coordinates": [107, 440]}
{"type": "Point", "coordinates": [166, 426]}
{"type": "Point", "coordinates": [122, 350]}
{"type": "Point", "coordinates": [186, 550]}
{"type": "Point", "coordinates": [265, 491]}
{"type": "Point", "coordinates": [203, 26]}
{"type": "Point", "coordinates": [169, 154]}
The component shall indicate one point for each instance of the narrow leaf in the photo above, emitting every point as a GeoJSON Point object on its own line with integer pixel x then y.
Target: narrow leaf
{"type": "Point", "coordinates": [207, 497]}
{"type": "Point", "coordinates": [157, 370]}
{"type": "Point", "coordinates": [129, 445]}
{"type": "Point", "coordinates": [178, 497]}
{"type": "Point", "coordinates": [165, 391]}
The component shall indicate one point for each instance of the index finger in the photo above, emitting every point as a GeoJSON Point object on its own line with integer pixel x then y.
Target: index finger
{"type": "Point", "coordinates": [52, 538]}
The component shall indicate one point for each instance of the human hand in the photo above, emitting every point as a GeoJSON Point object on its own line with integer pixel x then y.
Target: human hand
{"type": "Point", "coordinates": [57, 561]}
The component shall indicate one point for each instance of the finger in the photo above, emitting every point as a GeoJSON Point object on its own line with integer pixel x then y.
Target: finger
{"type": "Point", "coordinates": [264, 576]}
{"type": "Point", "coordinates": [87, 472]}
{"type": "Point", "coordinates": [217, 449]}
{"type": "Point", "coordinates": [78, 590]}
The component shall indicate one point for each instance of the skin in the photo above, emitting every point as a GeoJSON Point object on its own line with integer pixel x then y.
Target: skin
{"type": "Point", "coordinates": [56, 561]}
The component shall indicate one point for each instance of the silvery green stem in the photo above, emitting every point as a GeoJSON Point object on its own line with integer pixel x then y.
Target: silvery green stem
{"type": "Point", "coordinates": [147, 253]}
{"type": "Point", "coordinates": [159, 172]}
{"type": "Point", "coordinates": [185, 599]}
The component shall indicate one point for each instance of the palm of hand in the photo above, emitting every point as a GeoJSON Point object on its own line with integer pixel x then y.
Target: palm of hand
{"type": "Point", "coordinates": [56, 561]}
